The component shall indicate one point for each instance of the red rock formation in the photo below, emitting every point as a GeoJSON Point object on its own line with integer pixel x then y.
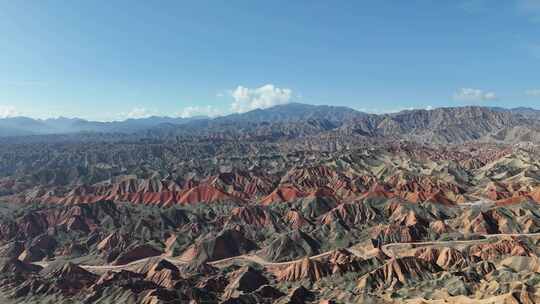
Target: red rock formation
{"type": "Point", "coordinates": [169, 245]}
{"type": "Point", "coordinates": [505, 247]}
{"type": "Point", "coordinates": [497, 191]}
{"type": "Point", "coordinates": [110, 242]}
{"type": "Point", "coordinates": [439, 227]}
{"type": "Point", "coordinates": [535, 195]}
{"type": "Point", "coordinates": [205, 194]}
{"type": "Point", "coordinates": [451, 258]}
{"type": "Point", "coordinates": [150, 192]}
{"type": "Point", "coordinates": [252, 215]}
{"type": "Point", "coordinates": [163, 273]}
{"type": "Point", "coordinates": [483, 223]}
{"type": "Point", "coordinates": [342, 261]}
{"type": "Point", "coordinates": [248, 185]}
{"type": "Point", "coordinates": [304, 269]}
{"type": "Point", "coordinates": [283, 194]}
{"type": "Point", "coordinates": [311, 178]}
{"type": "Point", "coordinates": [396, 233]}
{"type": "Point", "coordinates": [421, 188]}
{"type": "Point", "coordinates": [514, 200]}
{"type": "Point", "coordinates": [378, 190]}
{"type": "Point", "coordinates": [398, 272]}
{"type": "Point", "coordinates": [349, 214]}
{"type": "Point", "coordinates": [403, 216]}
{"type": "Point", "coordinates": [322, 192]}
{"type": "Point", "coordinates": [295, 219]}
{"type": "Point", "coordinates": [429, 254]}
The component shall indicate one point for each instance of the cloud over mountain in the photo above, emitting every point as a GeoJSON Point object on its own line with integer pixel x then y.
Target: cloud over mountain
{"type": "Point", "coordinates": [470, 94]}
{"type": "Point", "coordinates": [8, 111]}
{"type": "Point", "coordinates": [191, 111]}
{"type": "Point", "coordinates": [266, 96]}
{"type": "Point", "coordinates": [138, 112]}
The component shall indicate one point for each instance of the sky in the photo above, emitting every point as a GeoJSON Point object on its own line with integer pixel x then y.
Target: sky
{"type": "Point", "coordinates": [112, 60]}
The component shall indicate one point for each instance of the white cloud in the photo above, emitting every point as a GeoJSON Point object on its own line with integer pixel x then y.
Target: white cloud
{"type": "Point", "coordinates": [189, 111]}
{"type": "Point", "coordinates": [137, 113]}
{"type": "Point", "coordinates": [8, 111]}
{"type": "Point", "coordinates": [246, 99]}
{"type": "Point", "coordinates": [199, 111]}
{"type": "Point", "coordinates": [534, 92]}
{"type": "Point", "coordinates": [380, 111]}
{"type": "Point", "coordinates": [469, 94]}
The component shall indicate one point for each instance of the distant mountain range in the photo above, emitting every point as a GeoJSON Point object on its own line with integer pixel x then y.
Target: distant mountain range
{"type": "Point", "coordinates": [524, 111]}
{"type": "Point", "coordinates": [294, 120]}
{"type": "Point", "coordinates": [442, 125]}
{"type": "Point", "coordinates": [17, 126]}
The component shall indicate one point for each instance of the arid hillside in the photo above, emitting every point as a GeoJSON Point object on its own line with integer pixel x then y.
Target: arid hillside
{"type": "Point", "coordinates": [294, 204]}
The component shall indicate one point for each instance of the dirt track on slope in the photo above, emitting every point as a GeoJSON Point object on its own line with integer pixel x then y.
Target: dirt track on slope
{"type": "Point", "coordinates": [387, 249]}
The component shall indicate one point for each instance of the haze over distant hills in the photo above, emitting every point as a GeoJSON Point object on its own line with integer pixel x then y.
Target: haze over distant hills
{"type": "Point", "coordinates": [14, 126]}
{"type": "Point", "coordinates": [294, 120]}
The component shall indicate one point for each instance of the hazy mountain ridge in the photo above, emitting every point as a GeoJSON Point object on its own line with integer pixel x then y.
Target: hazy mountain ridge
{"type": "Point", "coordinates": [317, 198]}
{"type": "Point", "coordinates": [442, 125]}
{"type": "Point", "coordinates": [295, 120]}
{"type": "Point", "coordinates": [523, 111]}
{"type": "Point", "coordinates": [15, 126]}
{"type": "Point", "coordinates": [451, 124]}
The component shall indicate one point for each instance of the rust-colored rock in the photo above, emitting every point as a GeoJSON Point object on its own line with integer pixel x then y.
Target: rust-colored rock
{"type": "Point", "coordinates": [283, 194]}
{"type": "Point", "coordinates": [163, 273]}
{"type": "Point", "coordinates": [304, 269]}
{"type": "Point", "coordinates": [398, 272]}
{"type": "Point", "coordinates": [505, 247]}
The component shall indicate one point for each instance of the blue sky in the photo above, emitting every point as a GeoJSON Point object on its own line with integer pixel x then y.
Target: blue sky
{"type": "Point", "coordinates": [110, 60]}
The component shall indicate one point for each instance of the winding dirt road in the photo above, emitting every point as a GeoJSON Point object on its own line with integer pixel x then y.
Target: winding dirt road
{"type": "Point", "coordinates": [387, 249]}
{"type": "Point", "coordinates": [179, 261]}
